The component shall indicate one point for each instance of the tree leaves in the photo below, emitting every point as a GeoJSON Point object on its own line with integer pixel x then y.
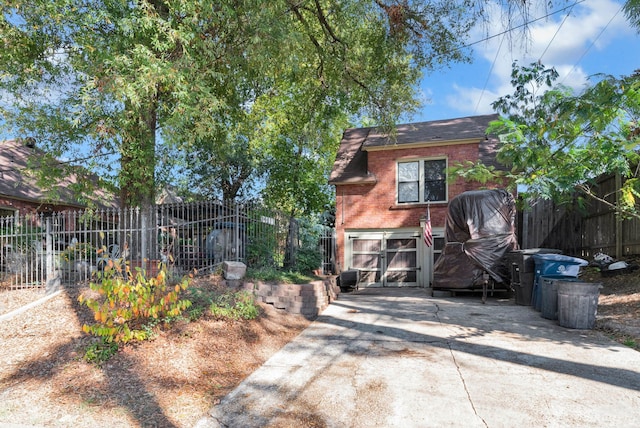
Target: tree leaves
{"type": "Point", "coordinates": [132, 78]}
{"type": "Point", "coordinates": [557, 142]}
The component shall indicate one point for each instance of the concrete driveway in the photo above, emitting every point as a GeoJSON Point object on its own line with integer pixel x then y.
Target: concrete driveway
{"type": "Point", "coordinates": [401, 358]}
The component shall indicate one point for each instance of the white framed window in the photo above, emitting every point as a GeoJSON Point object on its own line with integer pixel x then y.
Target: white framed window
{"type": "Point", "coordinates": [422, 181]}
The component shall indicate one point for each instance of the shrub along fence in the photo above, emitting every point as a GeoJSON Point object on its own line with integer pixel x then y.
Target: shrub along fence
{"type": "Point", "coordinates": [49, 249]}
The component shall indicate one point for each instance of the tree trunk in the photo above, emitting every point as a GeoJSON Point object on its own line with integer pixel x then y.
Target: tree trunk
{"type": "Point", "coordinates": [137, 172]}
{"type": "Point", "coordinates": [137, 183]}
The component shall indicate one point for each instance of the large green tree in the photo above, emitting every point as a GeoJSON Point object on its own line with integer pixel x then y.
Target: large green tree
{"type": "Point", "coordinates": [122, 77]}
{"type": "Point", "coordinates": [557, 142]}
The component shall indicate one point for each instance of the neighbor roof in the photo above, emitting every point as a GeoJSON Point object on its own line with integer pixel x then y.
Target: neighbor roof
{"type": "Point", "coordinates": [350, 165]}
{"type": "Point", "coordinates": [15, 183]}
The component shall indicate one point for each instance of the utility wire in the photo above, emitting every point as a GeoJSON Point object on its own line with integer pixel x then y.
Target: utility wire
{"type": "Point", "coordinates": [517, 27]}
{"type": "Point", "coordinates": [591, 45]}
{"type": "Point", "coordinates": [556, 33]}
{"type": "Point", "coordinates": [509, 30]}
{"type": "Point", "coordinates": [489, 75]}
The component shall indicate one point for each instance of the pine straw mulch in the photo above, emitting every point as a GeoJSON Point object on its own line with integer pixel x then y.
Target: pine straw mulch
{"type": "Point", "coordinates": [171, 381]}
{"type": "Point", "coordinates": [175, 379]}
{"type": "Point", "coordinates": [619, 304]}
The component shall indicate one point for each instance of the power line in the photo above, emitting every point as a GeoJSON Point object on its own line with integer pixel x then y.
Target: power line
{"type": "Point", "coordinates": [517, 27]}
{"type": "Point", "coordinates": [570, 7]}
{"type": "Point", "coordinates": [495, 59]}
{"type": "Point", "coordinates": [591, 45]}
{"type": "Point", "coordinates": [556, 33]}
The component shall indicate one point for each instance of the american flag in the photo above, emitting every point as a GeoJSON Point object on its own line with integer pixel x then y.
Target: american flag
{"type": "Point", "coordinates": [428, 233]}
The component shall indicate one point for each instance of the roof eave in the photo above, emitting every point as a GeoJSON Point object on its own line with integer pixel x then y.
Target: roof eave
{"type": "Point", "coordinates": [421, 144]}
{"type": "Point", "coordinates": [354, 180]}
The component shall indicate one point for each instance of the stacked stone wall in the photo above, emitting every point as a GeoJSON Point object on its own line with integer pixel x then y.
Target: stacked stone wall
{"type": "Point", "coordinates": [308, 300]}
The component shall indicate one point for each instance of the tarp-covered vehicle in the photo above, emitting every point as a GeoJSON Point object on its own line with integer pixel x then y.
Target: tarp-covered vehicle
{"type": "Point", "coordinates": [479, 231]}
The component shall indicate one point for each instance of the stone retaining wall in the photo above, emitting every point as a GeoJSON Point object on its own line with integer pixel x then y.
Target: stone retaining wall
{"type": "Point", "coordinates": [305, 299]}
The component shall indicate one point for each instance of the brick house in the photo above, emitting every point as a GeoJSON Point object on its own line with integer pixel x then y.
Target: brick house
{"type": "Point", "coordinates": [383, 188]}
{"type": "Point", "coordinates": [21, 194]}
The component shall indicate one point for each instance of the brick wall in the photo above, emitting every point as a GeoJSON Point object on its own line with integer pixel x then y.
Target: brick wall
{"type": "Point", "coordinates": [374, 206]}
{"type": "Point", "coordinates": [28, 207]}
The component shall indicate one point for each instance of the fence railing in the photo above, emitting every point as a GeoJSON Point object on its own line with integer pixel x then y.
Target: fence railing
{"type": "Point", "coordinates": [52, 248]}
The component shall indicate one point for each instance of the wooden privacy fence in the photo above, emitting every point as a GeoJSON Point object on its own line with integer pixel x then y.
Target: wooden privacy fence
{"type": "Point", "coordinates": [67, 247]}
{"type": "Point", "coordinates": [581, 232]}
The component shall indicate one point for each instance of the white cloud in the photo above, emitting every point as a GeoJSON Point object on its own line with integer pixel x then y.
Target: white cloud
{"type": "Point", "coordinates": [473, 100]}
{"type": "Point", "coordinates": [591, 28]}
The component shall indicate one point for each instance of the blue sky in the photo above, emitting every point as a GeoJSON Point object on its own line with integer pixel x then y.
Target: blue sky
{"type": "Point", "coordinates": [592, 37]}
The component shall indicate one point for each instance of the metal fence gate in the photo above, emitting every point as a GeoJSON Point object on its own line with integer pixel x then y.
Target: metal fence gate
{"type": "Point", "coordinates": [66, 247]}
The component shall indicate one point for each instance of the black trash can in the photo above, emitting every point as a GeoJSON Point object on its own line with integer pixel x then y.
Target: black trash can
{"type": "Point", "coordinates": [522, 272]}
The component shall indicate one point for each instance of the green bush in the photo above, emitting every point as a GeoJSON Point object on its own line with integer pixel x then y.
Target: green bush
{"type": "Point", "coordinates": [309, 256]}
{"type": "Point", "coordinates": [236, 305]}
{"type": "Point", "coordinates": [101, 351]}
{"type": "Point", "coordinates": [308, 259]}
{"type": "Point", "coordinates": [79, 251]}
{"type": "Point", "coordinates": [128, 302]}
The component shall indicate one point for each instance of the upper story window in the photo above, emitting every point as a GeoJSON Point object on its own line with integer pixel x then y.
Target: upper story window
{"type": "Point", "coordinates": [422, 180]}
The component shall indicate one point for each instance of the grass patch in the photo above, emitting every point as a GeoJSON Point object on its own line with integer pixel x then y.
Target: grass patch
{"type": "Point", "coordinates": [268, 274]}
{"type": "Point", "coordinates": [100, 351]}
{"type": "Point", "coordinates": [236, 306]}
{"type": "Point", "coordinates": [623, 339]}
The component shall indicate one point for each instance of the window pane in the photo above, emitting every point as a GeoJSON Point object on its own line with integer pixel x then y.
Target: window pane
{"type": "Point", "coordinates": [366, 261]}
{"type": "Point", "coordinates": [436, 256]}
{"type": "Point", "coordinates": [404, 276]}
{"type": "Point", "coordinates": [434, 170]}
{"type": "Point", "coordinates": [408, 171]}
{"type": "Point", "coordinates": [402, 260]}
{"type": "Point", "coordinates": [367, 245]}
{"type": "Point", "coordinates": [435, 191]}
{"type": "Point", "coordinates": [435, 187]}
{"type": "Point", "coordinates": [408, 192]}
{"type": "Point", "coordinates": [369, 276]}
{"type": "Point", "coordinates": [398, 244]}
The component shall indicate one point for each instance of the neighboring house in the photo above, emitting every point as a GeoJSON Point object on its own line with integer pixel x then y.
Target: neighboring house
{"type": "Point", "coordinates": [383, 189]}
{"type": "Point", "coordinates": [20, 192]}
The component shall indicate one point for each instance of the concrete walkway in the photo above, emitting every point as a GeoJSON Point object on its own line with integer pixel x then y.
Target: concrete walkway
{"type": "Point", "coordinates": [401, 358]}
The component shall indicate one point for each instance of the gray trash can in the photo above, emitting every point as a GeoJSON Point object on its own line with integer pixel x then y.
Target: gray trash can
{"type": "Point", "coordinates": [578, 303]}
{"type": "Point", "coordinates": [549, 294]}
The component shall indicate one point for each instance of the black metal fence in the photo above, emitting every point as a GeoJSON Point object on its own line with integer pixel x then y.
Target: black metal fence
{"type": "Point", "coordinates": [45, 250]}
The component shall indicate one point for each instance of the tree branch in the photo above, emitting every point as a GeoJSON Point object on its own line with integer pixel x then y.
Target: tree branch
{"type": "Point", "coordinates": [323, 21]}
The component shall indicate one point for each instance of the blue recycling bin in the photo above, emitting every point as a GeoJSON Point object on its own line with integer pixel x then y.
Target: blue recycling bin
{"type": "Point", "coordinates": [556, 265]}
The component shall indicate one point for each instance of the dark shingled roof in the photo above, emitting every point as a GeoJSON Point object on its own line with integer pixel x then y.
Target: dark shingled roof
{"type": "Point", "coordinates": [350, 165]}
{"type": "Point", "coordinates": [14, 156]}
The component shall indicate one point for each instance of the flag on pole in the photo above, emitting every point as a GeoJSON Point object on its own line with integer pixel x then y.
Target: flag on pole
{"type": "Point", "coordinates": [428, 233]}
